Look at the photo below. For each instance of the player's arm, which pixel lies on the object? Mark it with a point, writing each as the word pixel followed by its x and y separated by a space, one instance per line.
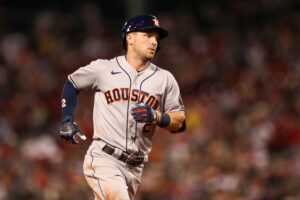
pixel 84 77
pixel 177 122
pixel 69 129
pixel 172 118
pixel 69 98
pixel 172 121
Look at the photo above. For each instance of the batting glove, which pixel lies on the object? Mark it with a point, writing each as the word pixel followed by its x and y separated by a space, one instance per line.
pixel 69 131
pixel 143 113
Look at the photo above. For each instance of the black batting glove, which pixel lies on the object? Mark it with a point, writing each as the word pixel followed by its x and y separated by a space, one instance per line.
pixel 68 132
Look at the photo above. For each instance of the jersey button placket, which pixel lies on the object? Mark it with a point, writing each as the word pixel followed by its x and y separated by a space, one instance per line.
pixel 131 124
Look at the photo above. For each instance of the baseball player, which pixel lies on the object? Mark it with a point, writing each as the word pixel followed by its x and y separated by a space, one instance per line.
pixel 132 97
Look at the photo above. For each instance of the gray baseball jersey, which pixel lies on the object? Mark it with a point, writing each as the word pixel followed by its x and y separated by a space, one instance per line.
pixel 119 86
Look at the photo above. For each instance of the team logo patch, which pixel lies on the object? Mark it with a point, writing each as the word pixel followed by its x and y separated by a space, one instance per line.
pixel 156 23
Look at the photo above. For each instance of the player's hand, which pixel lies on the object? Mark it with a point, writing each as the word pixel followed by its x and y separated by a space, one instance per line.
pixel 143 113
pixel 69 131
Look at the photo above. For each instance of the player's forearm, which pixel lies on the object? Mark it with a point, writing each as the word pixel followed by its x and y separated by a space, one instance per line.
pixel 177 120
pixel 68 101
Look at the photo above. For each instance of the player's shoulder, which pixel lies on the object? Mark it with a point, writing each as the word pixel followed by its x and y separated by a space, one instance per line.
pixel 102 61
pixel 102 64
pixel 163 72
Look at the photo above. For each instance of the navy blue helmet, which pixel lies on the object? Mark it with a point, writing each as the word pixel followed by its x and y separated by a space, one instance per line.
pixel 142 22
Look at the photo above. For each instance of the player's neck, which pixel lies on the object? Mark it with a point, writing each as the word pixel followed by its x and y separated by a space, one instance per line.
pixel 136 62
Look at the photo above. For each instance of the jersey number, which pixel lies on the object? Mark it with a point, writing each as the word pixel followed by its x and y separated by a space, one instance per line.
pixel 146 128
pixel 63 103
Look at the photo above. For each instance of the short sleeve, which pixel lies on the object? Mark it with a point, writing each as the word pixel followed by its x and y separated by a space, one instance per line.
pixel 173 100
pixel 85 77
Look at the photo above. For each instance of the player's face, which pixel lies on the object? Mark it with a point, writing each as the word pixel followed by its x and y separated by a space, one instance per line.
pixel 144 43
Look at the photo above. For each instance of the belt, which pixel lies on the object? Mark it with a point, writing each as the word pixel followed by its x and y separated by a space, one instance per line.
pixel 130 159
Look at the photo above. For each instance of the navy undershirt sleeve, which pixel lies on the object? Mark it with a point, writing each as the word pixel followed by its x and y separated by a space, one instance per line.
pixel 69 100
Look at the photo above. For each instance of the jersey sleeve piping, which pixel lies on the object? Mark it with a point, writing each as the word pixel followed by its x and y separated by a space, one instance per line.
pixel 73 82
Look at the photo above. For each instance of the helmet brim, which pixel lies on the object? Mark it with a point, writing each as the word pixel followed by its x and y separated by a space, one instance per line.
pixel 161 32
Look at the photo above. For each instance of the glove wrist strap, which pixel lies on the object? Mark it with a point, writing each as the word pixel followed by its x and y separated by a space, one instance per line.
pixel 162 119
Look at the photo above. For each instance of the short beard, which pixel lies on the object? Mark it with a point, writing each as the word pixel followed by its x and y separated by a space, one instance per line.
pixel 148 59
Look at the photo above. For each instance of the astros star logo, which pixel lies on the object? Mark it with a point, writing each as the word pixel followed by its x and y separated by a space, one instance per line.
pixel 155 22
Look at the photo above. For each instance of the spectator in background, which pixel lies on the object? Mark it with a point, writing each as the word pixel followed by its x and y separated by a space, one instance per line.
pixel 240 82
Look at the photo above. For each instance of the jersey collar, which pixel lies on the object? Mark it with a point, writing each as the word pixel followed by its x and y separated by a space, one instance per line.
pixel 129 69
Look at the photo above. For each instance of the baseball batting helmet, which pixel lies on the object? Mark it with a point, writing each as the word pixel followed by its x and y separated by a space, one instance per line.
pixel 142 22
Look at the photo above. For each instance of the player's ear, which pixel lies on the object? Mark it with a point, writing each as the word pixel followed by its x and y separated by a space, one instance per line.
pixel 129 39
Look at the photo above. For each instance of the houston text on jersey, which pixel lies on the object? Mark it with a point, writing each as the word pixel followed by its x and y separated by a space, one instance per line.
pixel 118 94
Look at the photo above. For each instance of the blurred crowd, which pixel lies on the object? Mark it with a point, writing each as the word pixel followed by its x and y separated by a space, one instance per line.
pixel 238 67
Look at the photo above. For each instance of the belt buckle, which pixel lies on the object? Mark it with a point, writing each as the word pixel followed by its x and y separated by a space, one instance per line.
pixel 134 160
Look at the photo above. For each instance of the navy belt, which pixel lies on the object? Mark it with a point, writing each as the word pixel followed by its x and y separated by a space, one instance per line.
pixel 130 159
